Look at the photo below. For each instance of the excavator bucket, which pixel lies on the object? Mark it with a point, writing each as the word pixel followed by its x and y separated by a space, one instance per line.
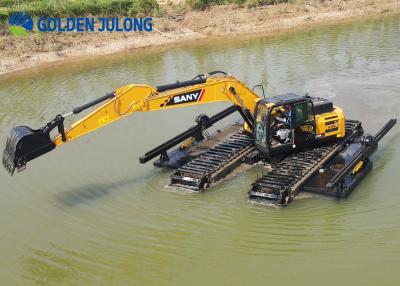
pixel 23 145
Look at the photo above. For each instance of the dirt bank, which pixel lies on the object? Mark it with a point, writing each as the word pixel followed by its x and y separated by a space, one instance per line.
pixel 180 26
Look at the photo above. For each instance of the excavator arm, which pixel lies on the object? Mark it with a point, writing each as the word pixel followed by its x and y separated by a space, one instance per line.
pixel 26 144
pixel 143 98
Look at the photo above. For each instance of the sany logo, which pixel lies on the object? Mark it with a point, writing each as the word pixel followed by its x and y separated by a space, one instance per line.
pixel 187 97
pixel 20 23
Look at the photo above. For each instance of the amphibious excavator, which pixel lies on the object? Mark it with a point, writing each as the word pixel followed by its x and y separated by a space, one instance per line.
pixel 306 141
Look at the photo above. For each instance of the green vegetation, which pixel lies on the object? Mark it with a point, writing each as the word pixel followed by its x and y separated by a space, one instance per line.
pixel 3 17
pixel 74 8
pixel 203 4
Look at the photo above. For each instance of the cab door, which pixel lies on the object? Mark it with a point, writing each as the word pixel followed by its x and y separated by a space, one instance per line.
pixel 303 123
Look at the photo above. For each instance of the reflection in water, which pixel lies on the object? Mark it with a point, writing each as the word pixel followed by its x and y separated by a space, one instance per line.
pixel 90 214
pixel 91 192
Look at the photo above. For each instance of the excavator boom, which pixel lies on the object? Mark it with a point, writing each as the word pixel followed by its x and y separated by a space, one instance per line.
pixel 25 144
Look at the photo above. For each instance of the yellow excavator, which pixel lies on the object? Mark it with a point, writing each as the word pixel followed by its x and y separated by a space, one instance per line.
pixel 307 139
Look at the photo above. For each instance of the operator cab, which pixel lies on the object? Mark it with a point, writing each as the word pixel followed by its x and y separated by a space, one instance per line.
pixel 282 123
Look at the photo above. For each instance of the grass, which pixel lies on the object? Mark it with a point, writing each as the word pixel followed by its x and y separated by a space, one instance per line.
pixel 74 8
pixel 204 4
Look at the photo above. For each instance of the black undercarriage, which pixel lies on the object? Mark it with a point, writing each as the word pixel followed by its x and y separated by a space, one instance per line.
pixel 329 168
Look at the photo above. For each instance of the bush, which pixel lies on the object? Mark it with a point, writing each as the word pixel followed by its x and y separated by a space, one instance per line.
pixel 116 7
pixel 203 4
pixel 6 3
pixel 3 17
pixel 146 7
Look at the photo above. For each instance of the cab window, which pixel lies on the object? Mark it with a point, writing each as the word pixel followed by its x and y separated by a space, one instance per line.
pixel 261 128
pixel 303 113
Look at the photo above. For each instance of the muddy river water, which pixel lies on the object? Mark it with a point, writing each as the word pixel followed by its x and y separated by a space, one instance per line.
pixel 90 214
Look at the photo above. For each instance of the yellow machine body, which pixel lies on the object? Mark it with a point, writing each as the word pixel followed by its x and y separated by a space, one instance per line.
pixel 331 124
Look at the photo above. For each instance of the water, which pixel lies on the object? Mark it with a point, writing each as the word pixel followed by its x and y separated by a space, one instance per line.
pixel 90 214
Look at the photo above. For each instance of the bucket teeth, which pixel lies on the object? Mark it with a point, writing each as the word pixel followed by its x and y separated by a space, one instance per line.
pixel 8 163
pixel 9 155
pixel 8 160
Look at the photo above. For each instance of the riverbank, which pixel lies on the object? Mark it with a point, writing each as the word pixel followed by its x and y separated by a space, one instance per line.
pixel 182 25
